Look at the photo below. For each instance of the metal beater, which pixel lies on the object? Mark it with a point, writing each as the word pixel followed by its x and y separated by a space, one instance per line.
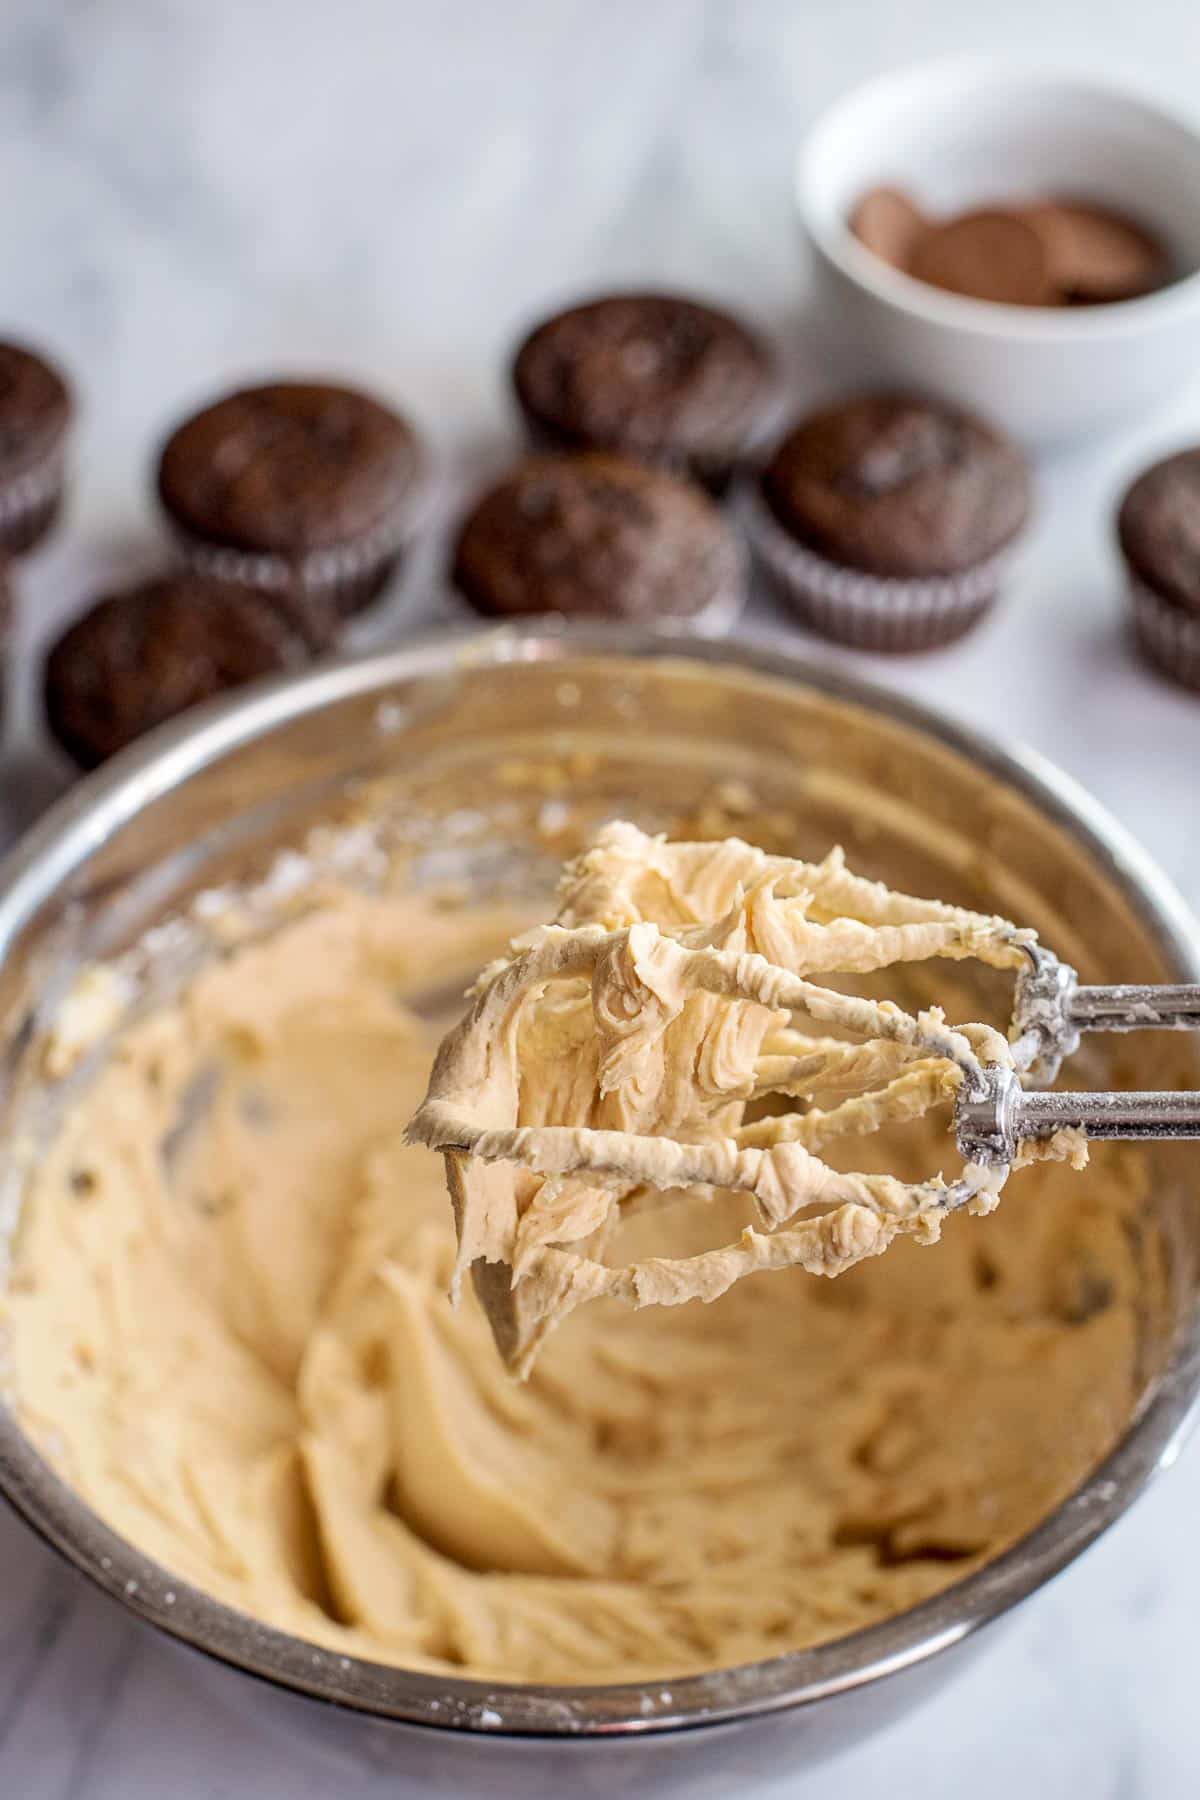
pixel 995 1115
pixel 670 1032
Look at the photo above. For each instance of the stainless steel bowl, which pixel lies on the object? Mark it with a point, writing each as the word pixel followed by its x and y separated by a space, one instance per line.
pixel 654 723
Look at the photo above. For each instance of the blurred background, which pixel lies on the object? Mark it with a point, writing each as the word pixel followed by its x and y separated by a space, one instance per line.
pixel 390 192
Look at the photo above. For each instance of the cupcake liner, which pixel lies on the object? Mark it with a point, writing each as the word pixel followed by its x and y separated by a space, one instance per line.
pixel 1167 635
pixel 719 617
pixel 351 575
pixel 715 471
pixel 30 500
pixel 715 620
pixel 870 612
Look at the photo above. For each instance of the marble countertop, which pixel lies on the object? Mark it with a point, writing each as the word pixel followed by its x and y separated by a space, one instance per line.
pixel 200 193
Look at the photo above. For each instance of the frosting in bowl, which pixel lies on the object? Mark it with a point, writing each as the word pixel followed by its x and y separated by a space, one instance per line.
pixel 229 1331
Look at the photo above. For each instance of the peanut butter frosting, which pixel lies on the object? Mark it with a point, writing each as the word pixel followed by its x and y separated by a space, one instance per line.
pixel 612 1058
pixel 227 1326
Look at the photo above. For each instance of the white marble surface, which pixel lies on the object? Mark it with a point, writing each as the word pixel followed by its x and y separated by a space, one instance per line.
pixel 199 192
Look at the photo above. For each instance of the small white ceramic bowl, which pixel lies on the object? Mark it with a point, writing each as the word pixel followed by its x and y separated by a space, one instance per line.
pixel 964 132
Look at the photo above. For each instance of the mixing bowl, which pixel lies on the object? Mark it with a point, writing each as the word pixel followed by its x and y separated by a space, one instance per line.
pixel 463 732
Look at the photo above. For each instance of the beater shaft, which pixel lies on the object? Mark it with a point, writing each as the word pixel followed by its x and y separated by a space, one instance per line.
pixel 1053 1010
pixel 995 1119
pixel 1135 1008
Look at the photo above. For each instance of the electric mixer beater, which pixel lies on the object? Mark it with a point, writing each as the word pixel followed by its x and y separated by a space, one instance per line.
pixel 665 1038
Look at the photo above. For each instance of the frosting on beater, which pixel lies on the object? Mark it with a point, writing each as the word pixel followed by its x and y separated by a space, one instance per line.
pixel 640 1047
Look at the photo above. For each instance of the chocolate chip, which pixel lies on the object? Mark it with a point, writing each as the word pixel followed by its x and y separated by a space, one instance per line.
pixel 887 222
pixel 1097 256
pixel 986 256
pixel 1050 252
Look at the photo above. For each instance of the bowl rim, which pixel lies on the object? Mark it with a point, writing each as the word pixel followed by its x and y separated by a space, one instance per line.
pixel 992 319
pixel 112 795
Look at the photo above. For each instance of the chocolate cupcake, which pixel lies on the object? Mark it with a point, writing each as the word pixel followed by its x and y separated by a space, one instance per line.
pixel 295 487
pixel 142 656
pixel 888 521
pixel 1158 529
pixel 35 411
pixel 597 536
pixel 661 379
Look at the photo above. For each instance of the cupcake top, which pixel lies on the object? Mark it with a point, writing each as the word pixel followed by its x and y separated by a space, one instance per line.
pixel 657 377
pixel 898 486
pixel 141 656
pixel 35 408
pixel 289 467
pixel 596 535
pixel 1158 527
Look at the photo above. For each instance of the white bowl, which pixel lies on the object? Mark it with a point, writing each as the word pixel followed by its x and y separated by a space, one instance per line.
pixel 963 132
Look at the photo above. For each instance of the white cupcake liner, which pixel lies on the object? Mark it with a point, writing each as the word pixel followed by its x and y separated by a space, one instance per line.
pixel 342 573
pixel 35 492
pixel 1168 635
pixel 714 620
pixel 336 571
pixel 718 618
pixel 870 612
